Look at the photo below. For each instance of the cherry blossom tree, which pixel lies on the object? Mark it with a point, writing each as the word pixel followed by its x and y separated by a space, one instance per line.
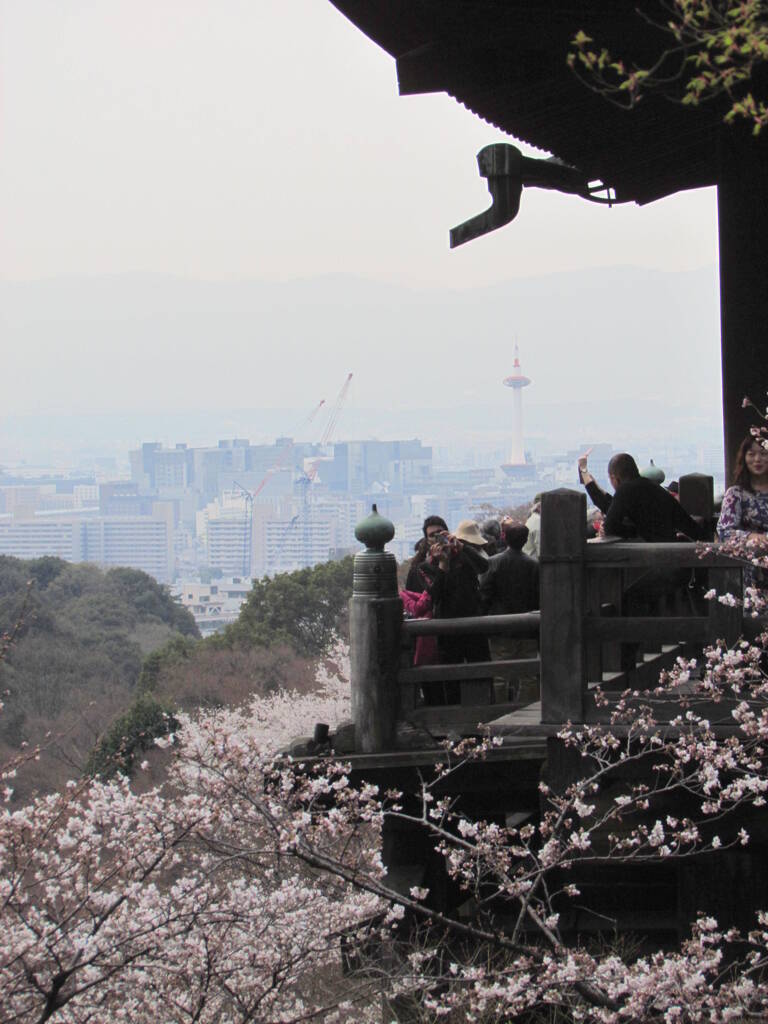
pixel 225 888
pixel 185 902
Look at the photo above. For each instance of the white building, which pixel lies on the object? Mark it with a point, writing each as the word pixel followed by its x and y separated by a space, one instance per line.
pixel 225 526
pixel 308 537
pixel 137 542
pixel 39 536
pixel 213 605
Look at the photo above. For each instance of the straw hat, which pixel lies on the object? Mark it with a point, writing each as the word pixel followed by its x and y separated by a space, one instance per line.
pixel 469 533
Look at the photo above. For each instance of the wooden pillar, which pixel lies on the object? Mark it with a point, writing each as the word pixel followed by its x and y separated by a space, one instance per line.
pixel 563 606
pixel 742 207
pixel 375 627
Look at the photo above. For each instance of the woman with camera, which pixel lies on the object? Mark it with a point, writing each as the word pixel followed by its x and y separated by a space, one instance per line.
pixel 450 571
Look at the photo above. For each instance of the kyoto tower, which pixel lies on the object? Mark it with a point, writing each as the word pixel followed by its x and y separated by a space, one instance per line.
pixel 517 382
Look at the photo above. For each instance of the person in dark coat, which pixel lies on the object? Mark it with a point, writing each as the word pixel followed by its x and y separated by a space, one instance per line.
pixel 511 586
pixel 450 573
pixel 644 510
pixel 432 529
pixel 491 530
pixel 639 507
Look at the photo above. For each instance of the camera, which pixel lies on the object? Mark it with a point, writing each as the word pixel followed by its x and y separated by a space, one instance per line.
pixel 447 543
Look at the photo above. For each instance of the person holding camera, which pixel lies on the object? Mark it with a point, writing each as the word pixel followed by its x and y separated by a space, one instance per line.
pixel 432 529
pixel 450 572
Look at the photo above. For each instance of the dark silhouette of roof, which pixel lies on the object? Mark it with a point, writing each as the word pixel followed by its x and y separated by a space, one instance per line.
pixel 506 60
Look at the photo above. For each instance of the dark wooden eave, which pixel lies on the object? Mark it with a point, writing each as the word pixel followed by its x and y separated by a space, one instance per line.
pixel 505 60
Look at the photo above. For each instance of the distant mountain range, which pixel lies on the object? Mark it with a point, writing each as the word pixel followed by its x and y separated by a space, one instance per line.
pixel 100 364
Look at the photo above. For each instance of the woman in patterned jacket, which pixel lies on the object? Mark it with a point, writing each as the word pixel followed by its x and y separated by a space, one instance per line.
pixel 744 514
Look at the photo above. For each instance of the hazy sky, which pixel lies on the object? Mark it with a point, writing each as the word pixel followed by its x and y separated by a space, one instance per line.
pixel 265 138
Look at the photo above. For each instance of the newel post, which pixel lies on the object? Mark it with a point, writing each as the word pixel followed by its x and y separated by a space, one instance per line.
pixel 563 606
pixel 697 498
pixel 375 625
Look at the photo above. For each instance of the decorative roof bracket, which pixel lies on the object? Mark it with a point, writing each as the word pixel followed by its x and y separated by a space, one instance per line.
pixel 507 170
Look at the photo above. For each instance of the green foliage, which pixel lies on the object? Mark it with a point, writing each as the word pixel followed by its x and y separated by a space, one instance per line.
pixel 151 601
pixel 716 49
pixel 285 624
pixel 83 636
pixel 155 664
pixel 97 642
pixel 129 735
pixel 304 610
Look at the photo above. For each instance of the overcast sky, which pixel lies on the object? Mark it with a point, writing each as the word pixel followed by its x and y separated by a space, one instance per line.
pixel 231 138
pixel 264 139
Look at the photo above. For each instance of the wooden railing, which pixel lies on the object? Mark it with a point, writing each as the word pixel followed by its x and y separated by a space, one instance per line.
pixel 586 638
pixel 478 701
pixel 585 635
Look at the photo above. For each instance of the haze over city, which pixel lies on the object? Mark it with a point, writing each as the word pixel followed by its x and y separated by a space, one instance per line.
pixel 211 214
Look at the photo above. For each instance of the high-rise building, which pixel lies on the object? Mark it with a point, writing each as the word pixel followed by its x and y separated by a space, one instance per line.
pixel 225 527
pixel 137 542
pixel 39 536
pixel 308 537
pixel 359 466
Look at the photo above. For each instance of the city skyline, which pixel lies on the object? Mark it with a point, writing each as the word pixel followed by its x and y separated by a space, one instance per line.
pixel 192 515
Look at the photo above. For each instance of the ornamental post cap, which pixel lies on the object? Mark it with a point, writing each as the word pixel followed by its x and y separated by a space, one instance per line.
pixel 375 530
pixel 654 473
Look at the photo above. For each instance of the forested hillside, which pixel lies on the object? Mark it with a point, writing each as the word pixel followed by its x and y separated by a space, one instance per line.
pixel 103 660
pixel 288 624
pixel 81 640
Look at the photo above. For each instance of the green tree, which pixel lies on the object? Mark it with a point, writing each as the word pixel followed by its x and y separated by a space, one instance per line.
pixel 77 655
pixel 305 610
pixel 133 732
pixel 715 48
pixel 155 664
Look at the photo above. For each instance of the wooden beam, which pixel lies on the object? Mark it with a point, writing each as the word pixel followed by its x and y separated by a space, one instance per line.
pixel 470 670
pixel 646 674
pixel 639 629
pixel 454 718
pixel 632 554
pixel 525 624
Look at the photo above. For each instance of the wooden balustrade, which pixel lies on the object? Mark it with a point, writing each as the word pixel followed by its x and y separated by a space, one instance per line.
pixel 587 629
pixel 477 704
pixel 584 635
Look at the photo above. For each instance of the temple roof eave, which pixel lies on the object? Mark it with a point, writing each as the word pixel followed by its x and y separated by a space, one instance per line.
pixel 505 60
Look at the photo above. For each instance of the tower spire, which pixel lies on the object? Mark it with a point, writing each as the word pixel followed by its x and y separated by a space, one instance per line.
pixel 517 381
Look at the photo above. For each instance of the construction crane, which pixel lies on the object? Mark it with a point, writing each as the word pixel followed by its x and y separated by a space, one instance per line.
pixel 251 495
pixel 330 426
pixel 286 451
pixel 248 537
pixel 310 473
pixel 333 419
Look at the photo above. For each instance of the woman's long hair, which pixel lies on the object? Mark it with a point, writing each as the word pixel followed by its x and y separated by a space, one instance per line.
pixel 741 477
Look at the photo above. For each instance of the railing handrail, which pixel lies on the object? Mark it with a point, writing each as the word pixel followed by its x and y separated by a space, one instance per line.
pixel 523 624
pixel 643 555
